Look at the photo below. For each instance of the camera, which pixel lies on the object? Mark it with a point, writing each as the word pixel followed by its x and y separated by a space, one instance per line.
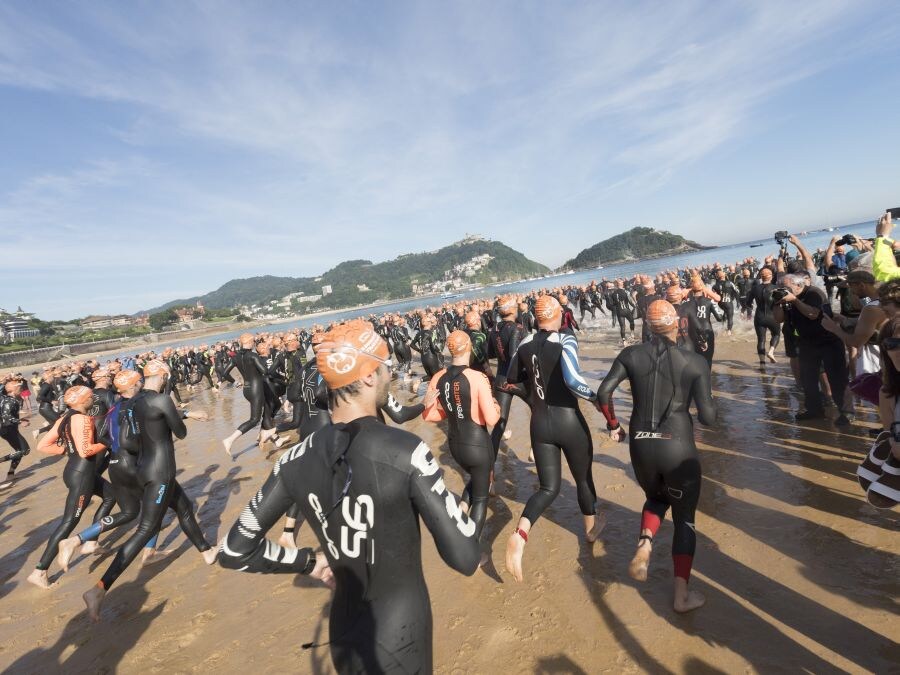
pixel 780 294
pixel 846 239
pixel 783 235
pixel 834 279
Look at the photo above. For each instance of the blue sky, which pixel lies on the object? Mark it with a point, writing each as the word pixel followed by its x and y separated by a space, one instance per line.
pixel 156 150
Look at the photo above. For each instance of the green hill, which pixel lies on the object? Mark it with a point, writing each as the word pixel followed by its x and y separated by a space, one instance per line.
pixel 387 280
pixel 637 244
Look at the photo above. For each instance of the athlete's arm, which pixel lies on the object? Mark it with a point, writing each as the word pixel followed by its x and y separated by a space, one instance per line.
pixel 246 548
pixel 48 442
pixel 701 393
pixel 401 414
pixel 173 417
pixel 571 372
pixel 452 530
pixel 435 412
pixel 616 375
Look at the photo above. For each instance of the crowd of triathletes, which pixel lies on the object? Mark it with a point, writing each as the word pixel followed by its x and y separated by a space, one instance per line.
pixel 532 338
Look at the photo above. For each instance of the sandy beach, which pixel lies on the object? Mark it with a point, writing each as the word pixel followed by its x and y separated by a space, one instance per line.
pixel 800 573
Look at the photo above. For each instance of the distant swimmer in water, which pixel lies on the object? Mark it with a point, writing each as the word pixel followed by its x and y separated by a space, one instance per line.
pixel 665 380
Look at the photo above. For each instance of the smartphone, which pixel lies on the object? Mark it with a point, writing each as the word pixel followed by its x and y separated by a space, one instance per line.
pixel 895 213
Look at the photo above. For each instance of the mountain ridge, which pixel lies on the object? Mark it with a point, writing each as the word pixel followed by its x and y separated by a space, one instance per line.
pixel 638 243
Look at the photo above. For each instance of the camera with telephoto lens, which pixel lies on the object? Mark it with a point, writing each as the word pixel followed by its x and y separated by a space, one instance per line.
pixel 780 294
pixel 781 237
pixel 846 239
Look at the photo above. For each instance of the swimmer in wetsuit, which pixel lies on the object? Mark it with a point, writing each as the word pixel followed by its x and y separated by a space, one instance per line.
pixel 364 488
pixel 430 344
pixel 547 363
pixel 257 391
pixel 503 341
pixel 729 295
pixel 480 345
pixel 10 404
pixel 700 306
pixel 465 400
pixel 665 380
pixel 158 419
pixel 622 308
pixel 763 318
pixel 72 434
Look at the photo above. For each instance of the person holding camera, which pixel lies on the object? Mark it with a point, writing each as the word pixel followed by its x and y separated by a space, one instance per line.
pixel 805 306
pixel 884 264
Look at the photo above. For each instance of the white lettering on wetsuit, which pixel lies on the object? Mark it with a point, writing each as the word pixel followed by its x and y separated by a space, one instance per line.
pixel 644 435
pixel 317 508
pixel 427 465
pixel 360 520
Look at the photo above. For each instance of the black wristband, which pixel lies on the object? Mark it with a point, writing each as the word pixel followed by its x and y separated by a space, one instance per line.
pixel 311 563
pixel 610 427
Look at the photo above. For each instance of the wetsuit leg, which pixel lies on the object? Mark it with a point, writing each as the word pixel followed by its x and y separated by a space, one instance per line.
pixel 154 503
pixel 103 489
pixel 505 401
pixel 477 461
pixel 549 468
pixel 578 449
pixel 630 318
pixel 184 509
pixel 760 329
pixel 621 317
pixel 81 487
pixel 13 436
pixel 254 394
pixel 270 407
pixel 683 491
pixel 728 308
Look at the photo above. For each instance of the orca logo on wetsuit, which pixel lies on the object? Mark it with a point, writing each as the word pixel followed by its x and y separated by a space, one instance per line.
pixel 317 508
pixel 538 387
pixel 424 461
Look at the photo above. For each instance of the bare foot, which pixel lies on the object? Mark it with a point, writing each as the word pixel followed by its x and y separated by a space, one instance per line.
pixel 515 549
pixel 507 434
pixel 281 442
pixel 286 540
pixel 228 442
pixel 94 599
pixel 691 600
pixel 531 456
pixel 151 555
pixel 640 564
pixel 89 547
pixel 771 356
pixel 209 555
pixel 599 522
pixel 66 551
pixel 39 579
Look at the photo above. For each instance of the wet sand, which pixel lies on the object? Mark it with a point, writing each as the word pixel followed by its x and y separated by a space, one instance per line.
pixel 800 573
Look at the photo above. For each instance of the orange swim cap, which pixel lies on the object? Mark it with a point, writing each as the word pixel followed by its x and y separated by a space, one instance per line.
pixel 563 299
pixel 78 395
pixel 246 340
pixel 11 386
pixel 697 284
pixel 263 348
pixel 100 374
pixel 473 320
pixel 507 306
pixel 765 273
pixel 317 338
pixel 674 294
pixel 349 353
pixel 459 343
pixel 126 379
pixel 547 310
pixel 156 367
pixel 661 316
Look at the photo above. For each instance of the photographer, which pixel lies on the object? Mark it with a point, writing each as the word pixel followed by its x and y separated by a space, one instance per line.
pixel 804 306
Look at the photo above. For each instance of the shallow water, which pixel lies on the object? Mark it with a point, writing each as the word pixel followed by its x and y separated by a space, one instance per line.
pixel 800 573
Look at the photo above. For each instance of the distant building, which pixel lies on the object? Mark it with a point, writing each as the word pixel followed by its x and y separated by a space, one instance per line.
pixel 17 328
pixel 186 314
pixel 326 290
pixel 362 287
pixel 99 322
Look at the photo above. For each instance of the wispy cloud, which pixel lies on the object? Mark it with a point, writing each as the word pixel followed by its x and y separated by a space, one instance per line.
pixel 291 139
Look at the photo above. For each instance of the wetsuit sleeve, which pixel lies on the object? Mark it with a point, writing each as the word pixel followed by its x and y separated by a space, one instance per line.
pixel 401 414
pixel 173 417
pixel 246 548
pixel 701 393
pixel 48 442
pixel 515 378
pixel 613 379
pixel 452 530
pixel 416 343
pixel 435 412
pixel 83 435
pixel 571 371
pixel 884 266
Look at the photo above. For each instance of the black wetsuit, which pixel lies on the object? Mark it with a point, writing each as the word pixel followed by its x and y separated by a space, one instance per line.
pixel 157 418
pixel 665 380
pixel 623 309
pixel 400 338
pixel 363 487
pixel 470 443
pixel 256 390
pixel 294 367
pixel 730 295
pixel 101 401
pixel 430 344
pixel 700 311
pixel 503 341
pixel 548 363
pixel 643 302
pixel 9 430
pixel 763 319
pixel 81 480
